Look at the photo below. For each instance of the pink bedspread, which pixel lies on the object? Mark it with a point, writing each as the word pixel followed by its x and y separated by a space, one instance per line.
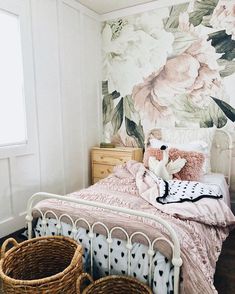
pixel 201 226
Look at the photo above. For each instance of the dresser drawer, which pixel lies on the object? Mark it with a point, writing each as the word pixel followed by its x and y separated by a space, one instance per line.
pixel 102 170
pixel 110 157
pixel 104 159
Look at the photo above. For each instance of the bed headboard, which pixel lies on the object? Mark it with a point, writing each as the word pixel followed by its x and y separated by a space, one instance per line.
pixel 221 154
pixel 221 151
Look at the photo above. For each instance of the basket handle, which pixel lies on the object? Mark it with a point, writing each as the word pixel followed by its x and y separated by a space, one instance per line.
pixel 80 280
pixel 5 244
pixel 76 256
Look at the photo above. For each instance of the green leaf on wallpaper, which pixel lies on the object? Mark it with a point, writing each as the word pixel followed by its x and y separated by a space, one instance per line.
pixel 173 20
pixel 182 41
pixel 107 105
pixel 105 89
pixel 227 109
pixel 183 103
pixel 201 10
pixel 206 20
pixel 224 44
pixel 186 112
pixel 129 109
pixel 228 67
pixel 212 116
pixel 117 26
pixel 115 94
pixel 117 116
pixel 135 131
pixel 130 103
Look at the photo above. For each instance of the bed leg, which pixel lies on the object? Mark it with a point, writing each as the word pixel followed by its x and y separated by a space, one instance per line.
pixel 29 219
pixel 176 279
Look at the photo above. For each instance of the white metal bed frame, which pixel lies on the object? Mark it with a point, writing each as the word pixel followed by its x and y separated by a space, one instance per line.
pixel 173 243
pixel 222 146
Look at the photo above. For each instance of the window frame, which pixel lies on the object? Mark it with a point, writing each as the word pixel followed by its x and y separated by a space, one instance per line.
pixel 21 9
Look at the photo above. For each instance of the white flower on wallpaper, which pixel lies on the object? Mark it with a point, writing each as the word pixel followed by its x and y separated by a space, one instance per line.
pixel 160 68
pixel 135 53
pixel 223 17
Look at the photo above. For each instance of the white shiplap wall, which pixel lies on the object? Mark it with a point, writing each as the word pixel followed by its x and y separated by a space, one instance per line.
pixel 63 49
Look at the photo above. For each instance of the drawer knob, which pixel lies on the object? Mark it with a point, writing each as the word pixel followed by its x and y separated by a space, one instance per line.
pixel 101 157
pixel 102 172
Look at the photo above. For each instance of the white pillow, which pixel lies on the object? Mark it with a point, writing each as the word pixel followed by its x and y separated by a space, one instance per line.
pixel 198 146
pixel 200 139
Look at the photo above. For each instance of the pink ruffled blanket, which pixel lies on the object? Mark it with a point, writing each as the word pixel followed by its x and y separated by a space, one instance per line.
pixel 201 226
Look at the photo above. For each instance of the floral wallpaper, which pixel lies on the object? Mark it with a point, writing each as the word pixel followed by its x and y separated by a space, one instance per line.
pixel 162 68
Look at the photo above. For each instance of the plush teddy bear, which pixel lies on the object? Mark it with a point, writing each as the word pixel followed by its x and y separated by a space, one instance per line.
pixel 165 168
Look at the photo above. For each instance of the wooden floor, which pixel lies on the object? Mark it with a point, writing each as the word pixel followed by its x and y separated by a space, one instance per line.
pixel 18 236
pixel 225 270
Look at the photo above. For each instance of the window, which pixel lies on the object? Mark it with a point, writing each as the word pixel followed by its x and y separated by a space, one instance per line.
pixel 12 101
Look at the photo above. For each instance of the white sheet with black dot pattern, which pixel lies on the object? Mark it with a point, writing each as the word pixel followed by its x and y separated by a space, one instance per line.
pixel 162 269
pixel 176 191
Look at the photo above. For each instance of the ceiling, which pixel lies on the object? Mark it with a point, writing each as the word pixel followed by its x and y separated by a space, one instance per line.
pixel 105 6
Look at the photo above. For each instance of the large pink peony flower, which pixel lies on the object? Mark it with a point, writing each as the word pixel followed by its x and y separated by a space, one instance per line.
pixel 194 72
pixel 152 110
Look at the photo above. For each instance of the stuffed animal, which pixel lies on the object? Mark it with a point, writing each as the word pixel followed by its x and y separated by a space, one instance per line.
pixel 165 168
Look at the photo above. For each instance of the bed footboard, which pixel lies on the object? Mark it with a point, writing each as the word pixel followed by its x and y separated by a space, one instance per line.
pixel 173 243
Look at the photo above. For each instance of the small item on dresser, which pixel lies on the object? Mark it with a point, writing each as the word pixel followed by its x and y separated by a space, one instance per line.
pixel 106 145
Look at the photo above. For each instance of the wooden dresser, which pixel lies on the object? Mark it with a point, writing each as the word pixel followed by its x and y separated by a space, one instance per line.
pixel 103 160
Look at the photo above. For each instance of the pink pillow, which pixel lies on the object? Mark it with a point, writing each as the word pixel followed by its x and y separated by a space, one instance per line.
pixel 192 170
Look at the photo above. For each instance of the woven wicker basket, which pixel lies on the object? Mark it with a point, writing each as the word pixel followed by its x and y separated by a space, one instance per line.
pixel 113 284
pixel 41 265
